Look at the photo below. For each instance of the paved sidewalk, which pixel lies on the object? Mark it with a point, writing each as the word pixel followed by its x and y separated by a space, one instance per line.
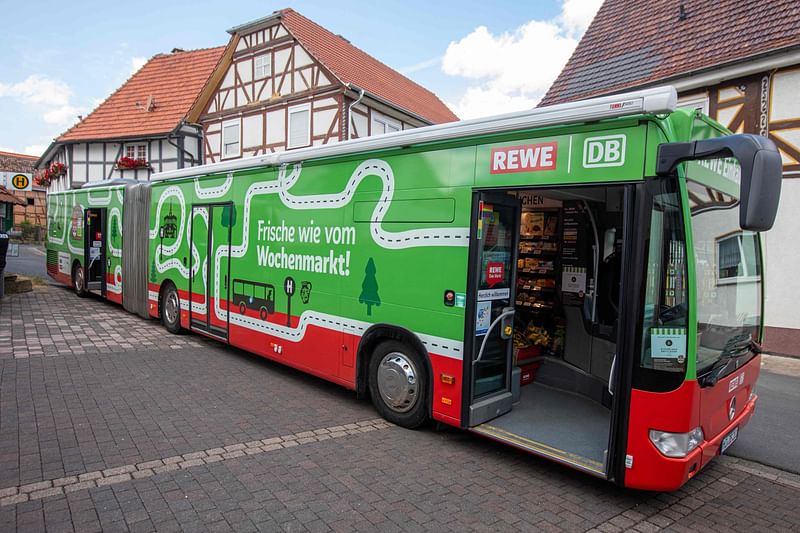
pixel 184 434
pixel 52 321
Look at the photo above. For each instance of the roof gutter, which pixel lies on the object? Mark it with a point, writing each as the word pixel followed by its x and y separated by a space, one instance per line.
pixel 717 74
pixel 384 101
pixel 349 114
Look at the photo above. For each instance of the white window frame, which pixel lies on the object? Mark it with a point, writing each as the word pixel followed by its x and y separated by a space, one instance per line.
pixel 226 123
pixel 385 123
pixel 739 236
pixel 697 101
pixel 132 151
pixel 266 67
pixel 292 110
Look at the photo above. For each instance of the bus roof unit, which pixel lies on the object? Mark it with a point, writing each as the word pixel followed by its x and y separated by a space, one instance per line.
pixel 649 101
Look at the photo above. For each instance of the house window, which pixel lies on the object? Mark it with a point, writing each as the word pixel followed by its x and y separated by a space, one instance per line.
pixel 30 201
pixel 382 124
pixel 263 67
pixel 231 138
pixel 136 151
pixel 694 102
pixel 738 258
pixel 299 126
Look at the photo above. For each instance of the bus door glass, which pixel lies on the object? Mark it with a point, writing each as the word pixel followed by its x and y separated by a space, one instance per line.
pixel 496 242
pixel 209 280
pixel 95 249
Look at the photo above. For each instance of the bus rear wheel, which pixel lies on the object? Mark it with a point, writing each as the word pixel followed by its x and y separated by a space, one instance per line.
pixel 79 280
pixel 242 308
pixel 263 313
pixel 398 384
pixel 171 309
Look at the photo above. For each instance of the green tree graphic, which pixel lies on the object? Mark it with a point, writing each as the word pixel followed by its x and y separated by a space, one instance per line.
pixel 114 231
pixel 369 287
pixel 229 216
pixel 153 274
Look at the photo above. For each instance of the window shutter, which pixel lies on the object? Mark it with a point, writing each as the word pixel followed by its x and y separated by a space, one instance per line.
pixel 299 123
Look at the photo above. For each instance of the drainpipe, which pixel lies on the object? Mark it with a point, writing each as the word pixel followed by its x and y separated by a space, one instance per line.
pixel 350 109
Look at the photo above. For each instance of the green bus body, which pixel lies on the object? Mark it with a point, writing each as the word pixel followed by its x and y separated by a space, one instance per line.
pixel 316 261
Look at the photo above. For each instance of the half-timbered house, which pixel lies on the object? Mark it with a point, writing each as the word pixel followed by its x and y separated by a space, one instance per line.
pixel 286 82
pixel 143 127
pixel 737 61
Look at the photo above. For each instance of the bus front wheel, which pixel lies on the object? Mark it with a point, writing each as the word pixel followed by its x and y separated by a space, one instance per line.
pixel 398 383
pixel 263 313
pixel 79 280
pixel 171 309
pixel 242 308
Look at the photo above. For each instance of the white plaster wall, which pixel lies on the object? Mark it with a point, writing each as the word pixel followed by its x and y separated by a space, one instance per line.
pixel 782 258
pixel 79 152
pixel 276 129
pixel 252 131
pixel 96 172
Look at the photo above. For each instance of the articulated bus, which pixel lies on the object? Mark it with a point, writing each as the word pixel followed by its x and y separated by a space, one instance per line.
pixel 582 282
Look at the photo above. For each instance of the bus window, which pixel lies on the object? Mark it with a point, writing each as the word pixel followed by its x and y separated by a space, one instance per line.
pixel 662 362
pixel 728 266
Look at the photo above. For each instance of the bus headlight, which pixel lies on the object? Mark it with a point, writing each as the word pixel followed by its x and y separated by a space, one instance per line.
pixel 676 444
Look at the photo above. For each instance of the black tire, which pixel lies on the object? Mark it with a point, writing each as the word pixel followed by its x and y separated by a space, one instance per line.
pixel 242 308
pixel 263 313
pixel 79 280
pixel 171 309
pixel 391 395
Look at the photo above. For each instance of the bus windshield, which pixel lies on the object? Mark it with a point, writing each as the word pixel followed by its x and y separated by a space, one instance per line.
pixel 728 270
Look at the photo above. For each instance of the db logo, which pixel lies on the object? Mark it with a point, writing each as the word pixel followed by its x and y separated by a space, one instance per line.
pixel 605 151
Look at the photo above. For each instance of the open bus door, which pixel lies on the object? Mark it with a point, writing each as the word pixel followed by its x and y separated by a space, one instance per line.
pixel 209 268
pixel 493 254
pixel 94 249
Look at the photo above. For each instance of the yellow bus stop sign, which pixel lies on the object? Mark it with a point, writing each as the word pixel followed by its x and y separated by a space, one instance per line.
pixel 20 182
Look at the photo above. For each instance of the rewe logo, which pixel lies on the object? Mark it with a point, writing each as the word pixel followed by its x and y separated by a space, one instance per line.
pixel 525 158
pixel 605 151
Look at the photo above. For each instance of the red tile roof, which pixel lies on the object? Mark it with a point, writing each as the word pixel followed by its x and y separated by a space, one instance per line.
pixel 352 65
pixel 636 42
pixel 7 198
pixel 174 82
pixel 13 162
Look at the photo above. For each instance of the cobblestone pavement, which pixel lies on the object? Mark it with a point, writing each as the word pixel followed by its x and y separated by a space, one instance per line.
pixel 147 431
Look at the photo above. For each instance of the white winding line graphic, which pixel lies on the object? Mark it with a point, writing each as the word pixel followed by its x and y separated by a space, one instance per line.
pixel 115 252
pixel 213 192
pixel 116 286
pixel 385 239
pixel 371 167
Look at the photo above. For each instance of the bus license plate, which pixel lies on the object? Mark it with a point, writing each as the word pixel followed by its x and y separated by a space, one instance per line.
pixel 729 439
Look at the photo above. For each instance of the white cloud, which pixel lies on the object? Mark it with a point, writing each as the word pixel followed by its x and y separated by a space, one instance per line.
pixel 50 97
pixel 576 15
pixel 512 70
pixel 62 115
pixel 137 63
pixel 35 149
pixel 37 89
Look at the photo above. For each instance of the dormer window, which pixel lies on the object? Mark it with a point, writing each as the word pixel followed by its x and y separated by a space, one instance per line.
pixel 263 67
pixel 136 151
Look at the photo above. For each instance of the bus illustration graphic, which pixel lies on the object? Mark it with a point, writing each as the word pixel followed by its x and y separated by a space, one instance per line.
pixel 254 295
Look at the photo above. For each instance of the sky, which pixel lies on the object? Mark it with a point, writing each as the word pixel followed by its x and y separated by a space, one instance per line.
pixel 59 60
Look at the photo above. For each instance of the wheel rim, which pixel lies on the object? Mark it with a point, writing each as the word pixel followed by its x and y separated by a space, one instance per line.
pixel 79 279
pixel 171 307
pixel 397 382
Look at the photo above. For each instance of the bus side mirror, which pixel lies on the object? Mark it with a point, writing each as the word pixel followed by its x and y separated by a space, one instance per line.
pixel 759 178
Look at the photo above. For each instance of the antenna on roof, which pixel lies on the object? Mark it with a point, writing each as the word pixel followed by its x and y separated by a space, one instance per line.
pixel 176 50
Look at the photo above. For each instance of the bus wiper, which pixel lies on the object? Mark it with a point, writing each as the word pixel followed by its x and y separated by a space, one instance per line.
pixel 734 348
